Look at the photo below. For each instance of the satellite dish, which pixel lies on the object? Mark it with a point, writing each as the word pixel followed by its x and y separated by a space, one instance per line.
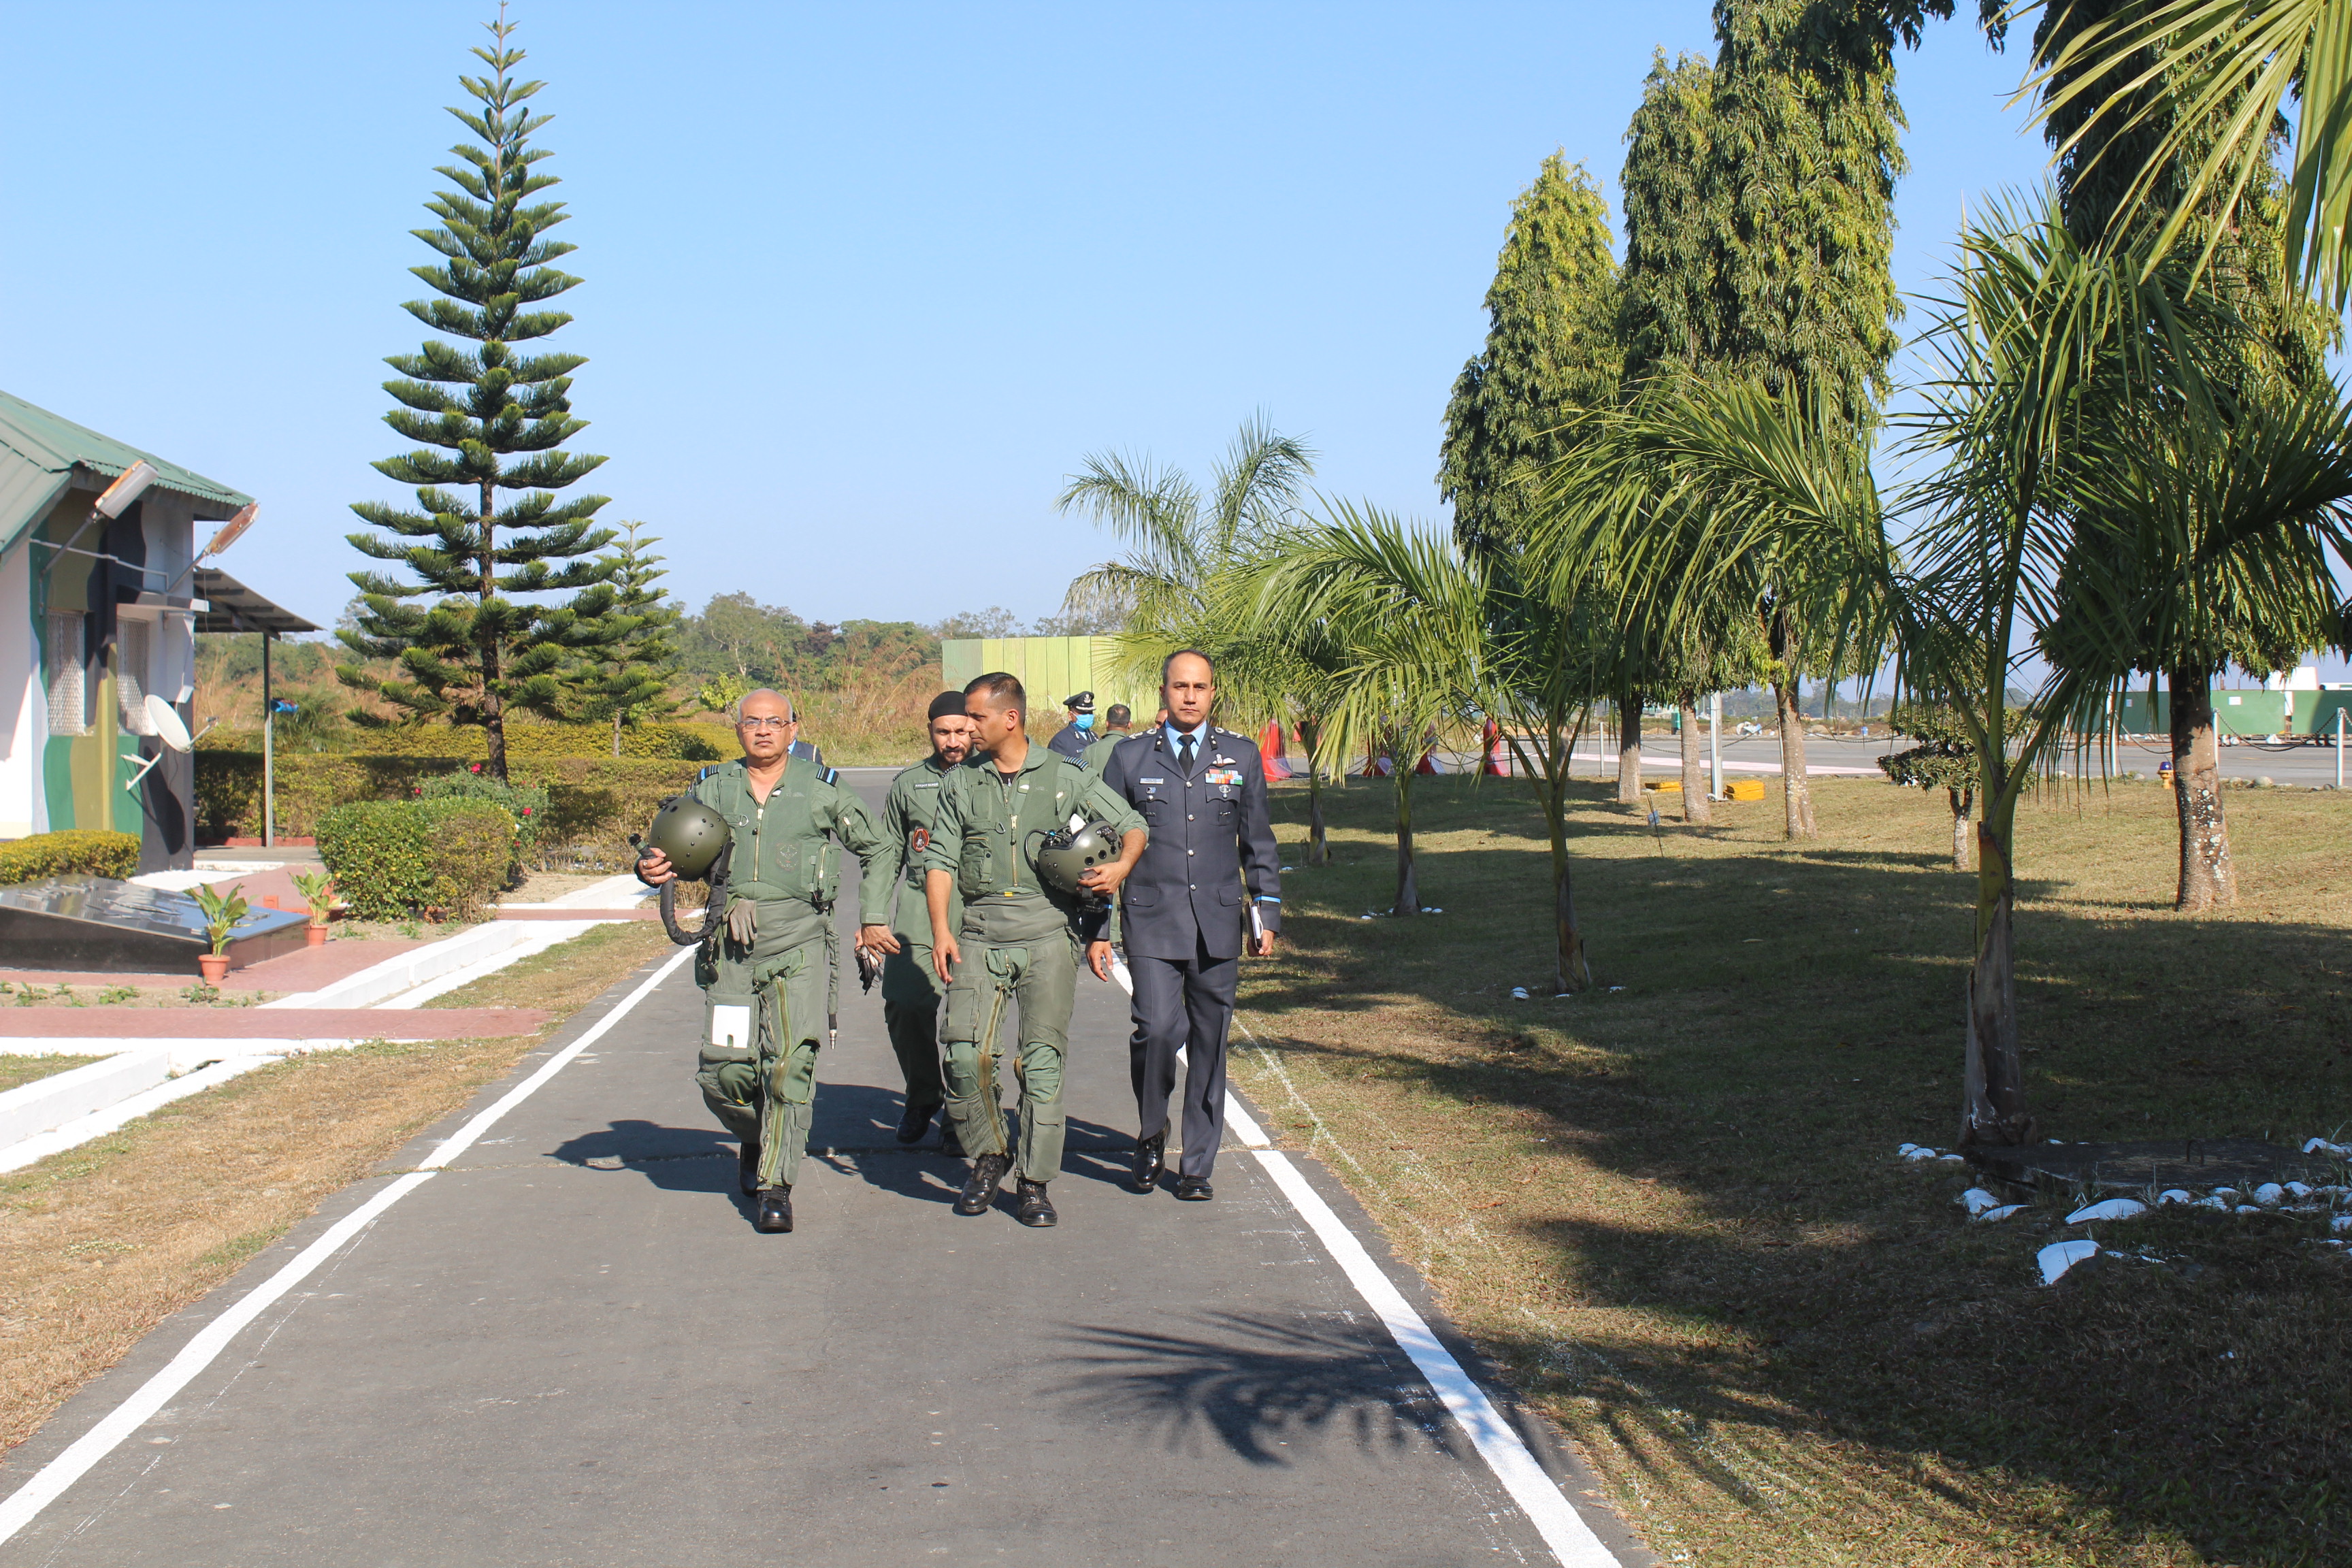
pixel 165 722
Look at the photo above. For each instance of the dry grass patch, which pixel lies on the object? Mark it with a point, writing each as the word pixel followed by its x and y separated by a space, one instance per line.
pixel 1670 1214
pixel 17 1071
pixel 100 1242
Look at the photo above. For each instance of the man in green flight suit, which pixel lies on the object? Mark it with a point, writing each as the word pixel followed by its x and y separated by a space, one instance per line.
pixel 1018 941
pixel 1118 719
pixel 766 981
pixel 910 985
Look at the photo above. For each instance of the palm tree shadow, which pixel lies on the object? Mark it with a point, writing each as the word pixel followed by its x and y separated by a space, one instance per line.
pixel 1252 1381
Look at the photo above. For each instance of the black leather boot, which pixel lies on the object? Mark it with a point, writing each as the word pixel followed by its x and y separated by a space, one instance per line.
pixel 775 1216
pixel 914 1122
pixel 1194 1189
pixel 1037 1209
pixel 1150 1161
pixel 980 1187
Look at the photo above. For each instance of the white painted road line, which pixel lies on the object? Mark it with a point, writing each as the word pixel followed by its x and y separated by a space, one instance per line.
pixel 1571 1541
pixel 1555 1518
pixel 50 1481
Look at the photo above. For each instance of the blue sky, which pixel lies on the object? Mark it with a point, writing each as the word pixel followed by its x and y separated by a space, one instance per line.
pixel 862 283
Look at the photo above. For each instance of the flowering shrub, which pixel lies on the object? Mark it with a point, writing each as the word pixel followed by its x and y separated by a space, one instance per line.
pixel 525 805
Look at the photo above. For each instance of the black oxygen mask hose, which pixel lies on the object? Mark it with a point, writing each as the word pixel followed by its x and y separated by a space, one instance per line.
pixel 714 911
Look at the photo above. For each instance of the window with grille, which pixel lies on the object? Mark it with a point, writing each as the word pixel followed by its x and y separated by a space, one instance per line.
pixel 68 712
pixel 130 647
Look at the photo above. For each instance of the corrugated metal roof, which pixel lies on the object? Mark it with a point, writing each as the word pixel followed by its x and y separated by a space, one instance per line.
pixel 238 608
pixel 39 450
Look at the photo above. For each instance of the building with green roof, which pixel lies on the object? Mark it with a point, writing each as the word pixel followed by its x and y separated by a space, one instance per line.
pixel 96 615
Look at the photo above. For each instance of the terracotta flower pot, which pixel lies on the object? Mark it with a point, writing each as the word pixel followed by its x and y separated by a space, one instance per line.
pixel 215 966
pixel 317 935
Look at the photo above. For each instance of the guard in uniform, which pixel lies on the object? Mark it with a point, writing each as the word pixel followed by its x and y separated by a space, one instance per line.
pixel 1209 880
pixel 1071 739
pixel 911 988
pixel 768 979
pixel 1018 941
pixel 1117 719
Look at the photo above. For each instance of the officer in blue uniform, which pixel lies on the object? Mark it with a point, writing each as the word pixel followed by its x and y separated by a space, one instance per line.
pixel 1208 884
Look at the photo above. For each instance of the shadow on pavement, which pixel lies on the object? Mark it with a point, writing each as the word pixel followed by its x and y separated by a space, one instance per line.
pixel 1255 1382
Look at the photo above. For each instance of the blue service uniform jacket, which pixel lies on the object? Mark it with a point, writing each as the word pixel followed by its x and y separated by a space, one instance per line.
pixel 1210 852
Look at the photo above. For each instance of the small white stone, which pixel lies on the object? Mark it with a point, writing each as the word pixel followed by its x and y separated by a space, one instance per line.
pixel 2107 1208
pixel 1992 1217
pixel 1951 1159
pixel 2216 1201
pixel 2270 1195
pixel 2297 1190
pixel 2341 1222
pixel 2172 1196
pixel 1976 1200
pixel 1518 992
pixel 2229 1196
pixel 1903 1150
pixel 2060 1256
pixel 2251 1208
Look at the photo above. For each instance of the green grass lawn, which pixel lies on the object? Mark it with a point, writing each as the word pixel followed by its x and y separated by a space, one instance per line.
pixel 1672 1214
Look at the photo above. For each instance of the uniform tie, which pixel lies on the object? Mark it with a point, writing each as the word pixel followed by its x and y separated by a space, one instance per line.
pixel 1184 753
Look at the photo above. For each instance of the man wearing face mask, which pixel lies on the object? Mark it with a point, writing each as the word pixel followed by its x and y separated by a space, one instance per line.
pixel 911 988
pixel 1071 739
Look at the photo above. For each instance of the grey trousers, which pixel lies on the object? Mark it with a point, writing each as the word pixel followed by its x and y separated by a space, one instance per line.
pixel 1182 1004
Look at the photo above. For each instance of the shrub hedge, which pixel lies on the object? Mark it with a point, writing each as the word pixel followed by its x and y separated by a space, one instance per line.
pixel 76 850
pixel 392 859
pixel 697 742
pixel 589 800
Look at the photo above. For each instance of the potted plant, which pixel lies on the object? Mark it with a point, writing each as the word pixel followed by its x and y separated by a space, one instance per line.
pixel 318 891
pixel 222 911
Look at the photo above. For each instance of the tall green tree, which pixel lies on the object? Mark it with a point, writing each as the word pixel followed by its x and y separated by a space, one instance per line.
pixel 2116 189
pixel 487 543
pixel 627 681
pixel 1758 198
pixel 1553 349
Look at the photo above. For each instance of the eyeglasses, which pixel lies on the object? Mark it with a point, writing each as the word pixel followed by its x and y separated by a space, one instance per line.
pixel 765 723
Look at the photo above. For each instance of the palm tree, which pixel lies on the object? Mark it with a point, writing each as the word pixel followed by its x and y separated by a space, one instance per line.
pixel 1710 599
pixel 2206 80
pixel 1178 542
pixel 2213 523
pixel 1401 611
pixel 1168 592
pixel 1546 659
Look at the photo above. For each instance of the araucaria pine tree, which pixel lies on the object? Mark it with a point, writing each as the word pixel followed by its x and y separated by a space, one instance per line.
pixel 627 681
pixel 488 542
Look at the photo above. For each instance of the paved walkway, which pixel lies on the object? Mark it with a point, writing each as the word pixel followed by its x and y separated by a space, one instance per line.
pixel 570 1348
pixel 268 1023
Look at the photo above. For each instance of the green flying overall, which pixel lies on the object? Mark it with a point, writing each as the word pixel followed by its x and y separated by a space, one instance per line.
pixel 1017 940
pixel 768 979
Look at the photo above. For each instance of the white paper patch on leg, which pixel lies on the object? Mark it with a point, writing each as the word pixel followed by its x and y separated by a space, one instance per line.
pixel 730 1028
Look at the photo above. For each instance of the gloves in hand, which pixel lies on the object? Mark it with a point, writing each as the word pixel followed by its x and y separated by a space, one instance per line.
pixel 742 921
